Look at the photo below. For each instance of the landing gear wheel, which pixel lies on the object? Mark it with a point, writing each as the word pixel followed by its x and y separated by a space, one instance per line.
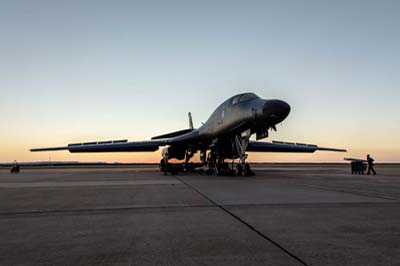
pixel 239 169
pixel 209 171
pixel 248 170
pixel 162 166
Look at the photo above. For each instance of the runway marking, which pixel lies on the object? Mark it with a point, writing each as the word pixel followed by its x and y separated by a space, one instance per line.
pixel 351 191
pixel 177 206
pixel 252 228
pixel 88 183
pixel 98 210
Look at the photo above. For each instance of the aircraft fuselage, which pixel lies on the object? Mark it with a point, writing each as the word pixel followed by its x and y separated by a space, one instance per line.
pixel 237 114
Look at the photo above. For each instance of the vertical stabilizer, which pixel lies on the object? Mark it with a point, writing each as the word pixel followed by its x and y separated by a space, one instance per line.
pixel 190 120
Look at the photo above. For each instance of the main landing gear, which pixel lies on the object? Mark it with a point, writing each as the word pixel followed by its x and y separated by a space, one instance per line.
pixel 214 160
pixel 213 166
pixel 223 168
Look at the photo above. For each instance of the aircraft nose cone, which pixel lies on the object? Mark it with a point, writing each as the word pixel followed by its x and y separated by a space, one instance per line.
pixel 275 111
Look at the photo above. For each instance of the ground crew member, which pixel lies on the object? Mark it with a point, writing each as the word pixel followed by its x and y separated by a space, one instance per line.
pixel 15 168
pixel 370 161
pixel 165 162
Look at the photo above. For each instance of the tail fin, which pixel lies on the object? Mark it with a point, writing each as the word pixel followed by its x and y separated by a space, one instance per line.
pixel 190 120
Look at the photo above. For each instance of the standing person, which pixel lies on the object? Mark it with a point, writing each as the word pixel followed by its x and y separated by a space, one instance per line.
pixel 370 165
pixel 15 168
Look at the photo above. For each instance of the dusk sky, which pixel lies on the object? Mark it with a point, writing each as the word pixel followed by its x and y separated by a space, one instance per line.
pixel 74 71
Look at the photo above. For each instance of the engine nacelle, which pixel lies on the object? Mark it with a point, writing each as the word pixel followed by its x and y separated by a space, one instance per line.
pixel 173 153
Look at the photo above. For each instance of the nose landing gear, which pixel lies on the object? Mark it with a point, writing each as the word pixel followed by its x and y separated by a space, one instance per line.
pixel 240 143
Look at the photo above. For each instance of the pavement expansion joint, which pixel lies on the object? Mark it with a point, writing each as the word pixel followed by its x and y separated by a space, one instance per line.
pixel 252 228
pixel 352 191
pixel 98 210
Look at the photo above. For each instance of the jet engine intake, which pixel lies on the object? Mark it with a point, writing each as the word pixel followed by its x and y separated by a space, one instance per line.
pixel 175 152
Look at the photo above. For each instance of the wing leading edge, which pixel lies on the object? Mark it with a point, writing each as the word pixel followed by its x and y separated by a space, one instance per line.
pixel 178 137
pixel 279 146
pixel 108 146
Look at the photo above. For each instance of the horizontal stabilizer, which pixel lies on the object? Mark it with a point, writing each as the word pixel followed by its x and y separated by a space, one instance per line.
pixel 172 134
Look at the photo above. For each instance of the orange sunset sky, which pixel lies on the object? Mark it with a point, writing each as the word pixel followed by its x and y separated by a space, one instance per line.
pixel 80 72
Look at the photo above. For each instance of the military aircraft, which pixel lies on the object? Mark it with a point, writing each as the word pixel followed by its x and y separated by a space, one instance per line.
pixel 225 135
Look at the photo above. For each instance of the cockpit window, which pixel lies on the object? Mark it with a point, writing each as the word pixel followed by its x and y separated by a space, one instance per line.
pixel 247 97
pixel 243 98
pixel 235 100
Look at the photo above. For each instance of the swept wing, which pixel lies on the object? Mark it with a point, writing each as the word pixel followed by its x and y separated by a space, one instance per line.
pixel 280 146
pixel 109 146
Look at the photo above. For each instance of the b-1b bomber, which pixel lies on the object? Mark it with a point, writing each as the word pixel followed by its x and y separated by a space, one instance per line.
pixel 224 136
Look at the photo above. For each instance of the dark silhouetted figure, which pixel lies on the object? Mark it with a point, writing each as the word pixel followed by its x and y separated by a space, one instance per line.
pixel 15 168
pixel 370 161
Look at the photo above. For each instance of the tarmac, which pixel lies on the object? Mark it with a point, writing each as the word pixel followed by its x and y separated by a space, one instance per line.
pixel 286 215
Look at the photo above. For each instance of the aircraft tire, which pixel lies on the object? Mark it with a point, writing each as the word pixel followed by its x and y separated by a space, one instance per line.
pixel 239 169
